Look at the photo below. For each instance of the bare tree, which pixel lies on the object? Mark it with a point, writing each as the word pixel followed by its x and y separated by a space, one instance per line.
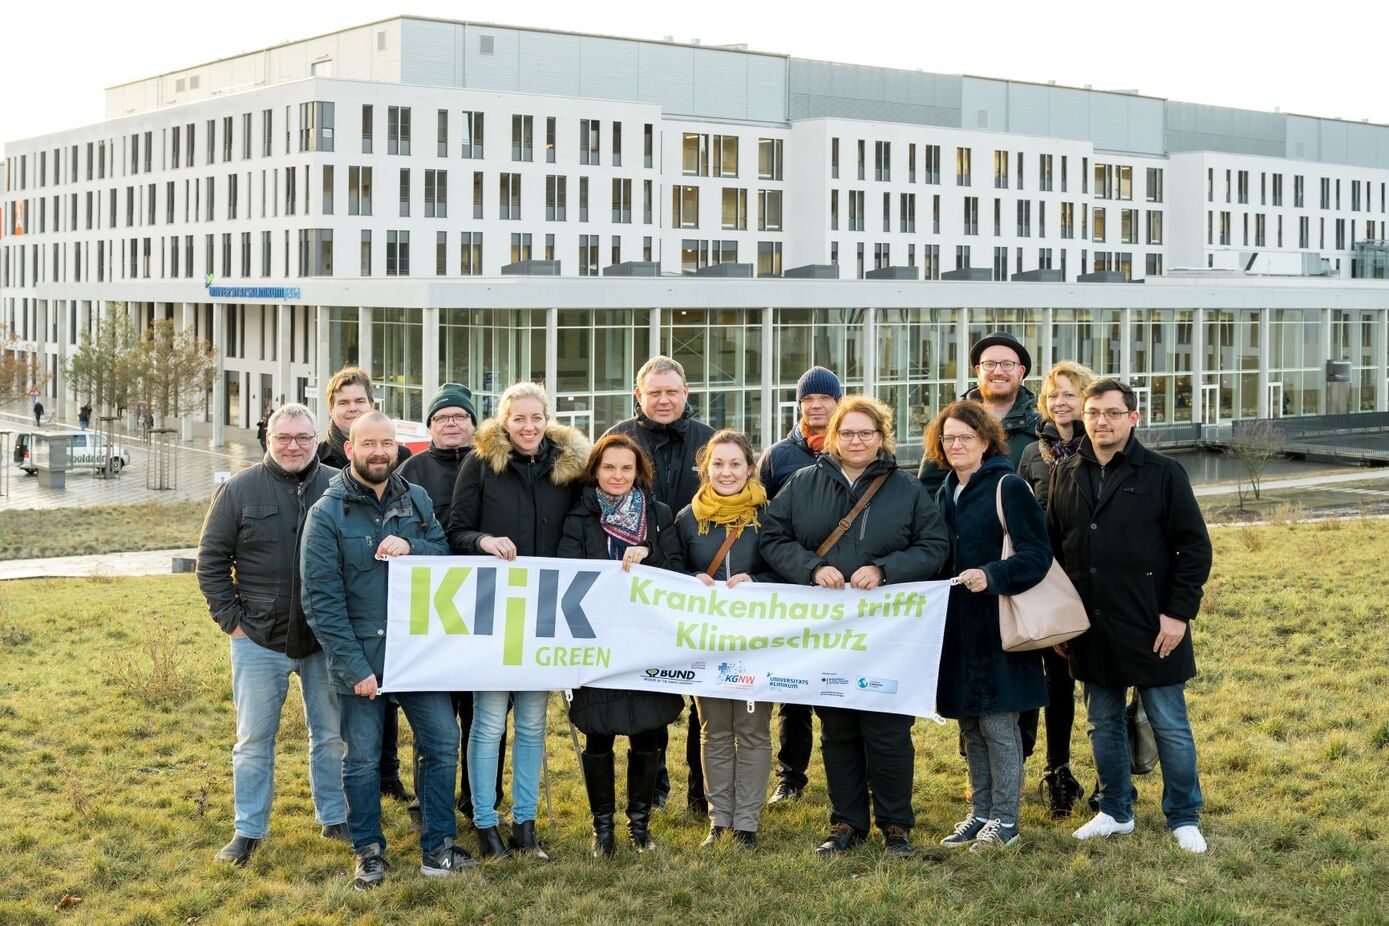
pixel 21 368
pixel 1256 444
pixel 101 366
pixel 170 370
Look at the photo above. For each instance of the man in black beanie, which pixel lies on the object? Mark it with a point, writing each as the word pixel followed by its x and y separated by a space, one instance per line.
pixel 818 392
pixel 451 419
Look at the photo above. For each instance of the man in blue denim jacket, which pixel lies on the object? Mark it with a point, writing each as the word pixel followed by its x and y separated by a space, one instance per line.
pixel 368 515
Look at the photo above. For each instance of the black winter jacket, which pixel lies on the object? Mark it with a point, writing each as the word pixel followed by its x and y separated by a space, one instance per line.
pixel 671 449
pixel 976 676
pixel 1020 425
pixel 615 712
pixel 1138 550
pixel 501 492
pixel 744 556
pixel 436 471
pixel 248 555
pixel 900 531
pixel 783 458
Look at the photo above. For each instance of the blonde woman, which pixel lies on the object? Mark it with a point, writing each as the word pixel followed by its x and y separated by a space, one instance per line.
pixel 510 500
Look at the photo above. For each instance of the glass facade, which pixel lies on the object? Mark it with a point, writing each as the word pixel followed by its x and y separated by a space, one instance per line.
pixel 1189 365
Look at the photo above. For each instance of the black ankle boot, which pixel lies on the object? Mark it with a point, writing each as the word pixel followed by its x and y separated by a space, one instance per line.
pixel 523 841
pixel 598 781
pixel 490 844
pixel 642 768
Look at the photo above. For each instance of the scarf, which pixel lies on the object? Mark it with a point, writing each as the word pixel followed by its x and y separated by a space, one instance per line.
pixel 709 507
pixel 816 442
pixel 1054 449
pixel 623 517
pixel 336 439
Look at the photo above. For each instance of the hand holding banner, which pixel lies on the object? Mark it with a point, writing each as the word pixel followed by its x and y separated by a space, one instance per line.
pixel 473 623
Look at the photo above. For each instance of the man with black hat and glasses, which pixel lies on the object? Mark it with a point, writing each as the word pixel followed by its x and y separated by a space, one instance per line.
pixel 1001 363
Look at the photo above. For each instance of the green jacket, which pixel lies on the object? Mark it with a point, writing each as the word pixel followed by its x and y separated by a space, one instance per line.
pixel 344 584
pixel 1020 424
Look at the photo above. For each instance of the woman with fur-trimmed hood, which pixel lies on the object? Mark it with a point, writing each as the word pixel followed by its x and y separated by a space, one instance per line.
pixel 510 500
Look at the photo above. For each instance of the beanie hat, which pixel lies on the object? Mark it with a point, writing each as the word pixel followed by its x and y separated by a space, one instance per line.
pixel 451 395
pixel 818 381
pixel 1000 339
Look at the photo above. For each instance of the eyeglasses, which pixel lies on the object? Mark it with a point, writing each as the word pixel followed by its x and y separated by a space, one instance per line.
pixel 303 440
pixel 862 437
pixel 1007 366
pixel 964 440
pixel 1113 414
pixel 452 419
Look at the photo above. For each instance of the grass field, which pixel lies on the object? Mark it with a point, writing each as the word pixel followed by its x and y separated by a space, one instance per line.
pixel 116 725
pixel 36 532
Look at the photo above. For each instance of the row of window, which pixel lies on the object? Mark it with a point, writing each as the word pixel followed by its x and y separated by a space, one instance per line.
pixel 932 268
pixel 1220 231
pixel 1237 190
pixel 1129 219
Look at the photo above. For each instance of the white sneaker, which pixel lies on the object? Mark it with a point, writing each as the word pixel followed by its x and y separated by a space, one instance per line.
pixel 1103 825
pixel 1190 839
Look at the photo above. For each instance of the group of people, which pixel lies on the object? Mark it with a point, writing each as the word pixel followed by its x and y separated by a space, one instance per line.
pixel 292 563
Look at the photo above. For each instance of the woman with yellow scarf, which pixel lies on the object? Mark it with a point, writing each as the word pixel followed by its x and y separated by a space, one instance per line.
pixel 718 531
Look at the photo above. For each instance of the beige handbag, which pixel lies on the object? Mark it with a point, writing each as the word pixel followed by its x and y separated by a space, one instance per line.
pixel 1048 613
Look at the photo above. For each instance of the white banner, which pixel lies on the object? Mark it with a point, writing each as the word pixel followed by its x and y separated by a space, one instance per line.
pixel 475 623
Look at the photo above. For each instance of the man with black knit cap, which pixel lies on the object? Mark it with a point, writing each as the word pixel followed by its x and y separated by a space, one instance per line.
pixel 1001 363
pixel 818 392
pixel 451 420
pixel 666 429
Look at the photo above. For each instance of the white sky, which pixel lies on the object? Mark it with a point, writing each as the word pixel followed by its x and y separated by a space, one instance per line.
pixel 1313 59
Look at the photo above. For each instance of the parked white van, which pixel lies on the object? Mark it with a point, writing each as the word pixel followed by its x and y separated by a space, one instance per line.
pixel 86 450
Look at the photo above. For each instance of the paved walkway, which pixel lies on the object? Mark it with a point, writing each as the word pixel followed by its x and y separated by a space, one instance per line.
pixel 1304 482
pixel 196 466
pixel 146 563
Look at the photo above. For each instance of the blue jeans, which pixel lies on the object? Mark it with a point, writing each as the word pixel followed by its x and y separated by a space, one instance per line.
pixel 1109 740
pixel 260 682
pixel 436 740
pixel 527 753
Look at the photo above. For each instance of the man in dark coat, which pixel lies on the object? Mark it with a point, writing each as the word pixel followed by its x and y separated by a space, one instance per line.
pixel 367 515
pixel 1125 525
pixel 349 395
pixel 818 392
pixel 665 427
pixel 248 570
pixel 1001 362
pixel 451 421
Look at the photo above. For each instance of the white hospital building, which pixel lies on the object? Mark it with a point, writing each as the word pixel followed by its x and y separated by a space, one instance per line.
pixel 456 201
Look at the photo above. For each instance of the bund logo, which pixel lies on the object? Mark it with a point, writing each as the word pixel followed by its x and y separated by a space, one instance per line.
pixel 519 596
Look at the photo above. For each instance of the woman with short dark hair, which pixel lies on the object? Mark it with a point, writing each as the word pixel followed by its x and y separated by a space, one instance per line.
pixel 979 684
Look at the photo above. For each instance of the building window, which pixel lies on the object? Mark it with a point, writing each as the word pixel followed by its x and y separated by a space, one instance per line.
pixel 1044 181
pixel 315 127
pixel 907 213
pixel 857 210
pixel 735 208
pixel 470 254
pixel 769 159
pixel 648 145
pixel 477 194
pixel 359 191
pixel 1128 226
pixel 1000 170
pixel 882 160
pixel 962 166
pixel 971 215
pixel 404 192
pixel 769 258
pixel 472 125
pixel 684 206
pixel 1154 185
pixel 617 147
pixel 436 194
pixel 1097 223
pixel 834 159
pixel 589 134
pixel 509 197
pixel 769 210
pixel 397 253
pixel 441 132
pixel 520 247
pixel 588 255
pixel 1154 235
pixel 397 130
pixel 555 197
pixel 622 201
pixel 930 262
pixel 931 163
pixel 522 138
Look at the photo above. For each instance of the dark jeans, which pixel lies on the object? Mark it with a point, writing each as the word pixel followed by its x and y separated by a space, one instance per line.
pixel 598 744
pixel 694 784
pixel 436 736
pixel 868 751
pixel 795 732
pixel 1166 707
pixel 463 707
